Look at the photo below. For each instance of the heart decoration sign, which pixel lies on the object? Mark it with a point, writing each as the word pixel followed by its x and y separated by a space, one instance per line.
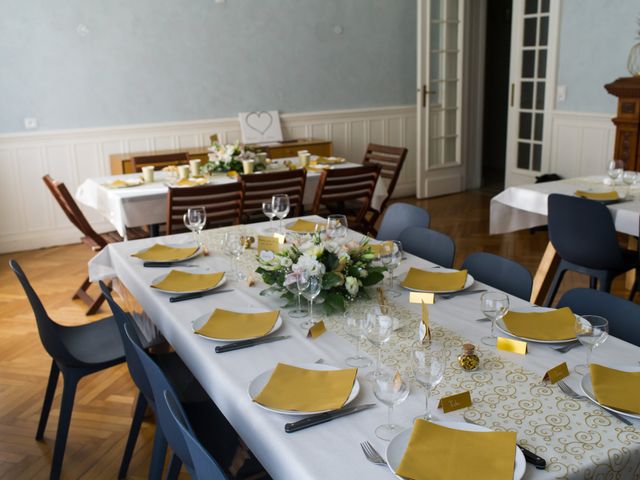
pixel 260 126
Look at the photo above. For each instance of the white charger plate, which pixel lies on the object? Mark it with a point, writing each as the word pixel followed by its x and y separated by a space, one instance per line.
pixel 587 388
pixel 201 320
pixel 174 245
pixel 470 280
pixel 500 325
pixel 258 383
pixel 187 270
pixel 398 445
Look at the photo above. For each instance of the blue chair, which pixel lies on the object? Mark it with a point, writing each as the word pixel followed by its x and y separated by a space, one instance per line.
pixel 623 315
pixel 584 236
pixel 76 352
pixel 400 216
pixel 501 273
pixel 430 245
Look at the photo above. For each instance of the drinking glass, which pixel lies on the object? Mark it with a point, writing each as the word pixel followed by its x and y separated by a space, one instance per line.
pixel 494 306
pixel 354 327
pixel 281 206
pixel 391 256
pixel 615 169
pixel 234 246
pixel 378 329
pixel 195 220
pixel 314 285
pixel 629 178
pixel 297 288
pixel 591 331
pixel 267 209
pixel 337 227
pixel 428 365
pixel 391 389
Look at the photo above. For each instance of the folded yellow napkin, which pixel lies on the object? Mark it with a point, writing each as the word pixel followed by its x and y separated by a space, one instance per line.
pixel 295 388
pixel 316 168
pixel 552 325
pixel 418 279
pixel 327 160
pixel 305 226
pixel 117 184
pixel 179 281
pixel 597 195
pixel 616 389
pixel 225 324
pixel 436 452
pixel 163 253
pixel 187 182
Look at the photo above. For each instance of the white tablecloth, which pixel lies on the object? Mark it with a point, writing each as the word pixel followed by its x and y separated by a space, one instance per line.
pixel 147 204
pixel 525 206
pixel 571 435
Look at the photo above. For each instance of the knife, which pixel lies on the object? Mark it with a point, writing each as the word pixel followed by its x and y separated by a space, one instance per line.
pixel 248 343
pixel 324 417
pixel 189 296
pixel 447 296
pixel 167 264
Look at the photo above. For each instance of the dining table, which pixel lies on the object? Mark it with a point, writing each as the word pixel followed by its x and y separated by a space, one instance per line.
pixel 577 438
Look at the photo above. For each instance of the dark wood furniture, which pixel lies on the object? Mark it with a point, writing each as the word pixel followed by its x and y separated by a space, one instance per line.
pixel 627 120
pixel 260 187
pixel 159 161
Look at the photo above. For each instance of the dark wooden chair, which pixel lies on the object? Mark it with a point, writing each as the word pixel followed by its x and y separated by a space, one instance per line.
pixel 96 241
pixel 391 160
pixel 354 185
pixel 260 187
pixel 223 204
pixel 159 161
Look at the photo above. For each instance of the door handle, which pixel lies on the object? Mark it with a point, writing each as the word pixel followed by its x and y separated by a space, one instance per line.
pixel 426 92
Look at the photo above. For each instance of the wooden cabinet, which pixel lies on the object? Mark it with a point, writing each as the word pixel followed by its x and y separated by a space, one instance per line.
pixel 627 120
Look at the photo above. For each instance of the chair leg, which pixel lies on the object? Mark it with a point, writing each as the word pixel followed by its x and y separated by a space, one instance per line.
pixel 95 306
pixel 634 288
pixel 94 303
pixel 157 455
pixel 175 464
pixel 136 422
pixel 593 282
pixel 48 399
pixel 554 287
pixel 605 283
pixel 66 407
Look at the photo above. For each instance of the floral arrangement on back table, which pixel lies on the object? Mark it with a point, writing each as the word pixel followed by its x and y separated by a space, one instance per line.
pixel 344 268
pixel 226 158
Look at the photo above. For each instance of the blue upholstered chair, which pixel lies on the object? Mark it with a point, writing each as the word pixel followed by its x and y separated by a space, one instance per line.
pixel 430 245
pixel 501 273
pixel 400 216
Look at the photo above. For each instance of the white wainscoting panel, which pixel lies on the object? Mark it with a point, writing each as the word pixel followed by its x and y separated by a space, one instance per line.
pixel 29 217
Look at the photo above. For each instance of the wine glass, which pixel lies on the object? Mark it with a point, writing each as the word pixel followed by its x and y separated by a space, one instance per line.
pixel 281 206
pixel 391 389
pixel 337 227
pixel 494 306
pixel 378 329
pixel 195 220
pixel 267 209
pixel 314 285
pixel 591 331
pixel 354 327
pixel 297 287
pixel 615 169
pixel 428 365
pixel 391 255
pixel 234 247
pixel 629 178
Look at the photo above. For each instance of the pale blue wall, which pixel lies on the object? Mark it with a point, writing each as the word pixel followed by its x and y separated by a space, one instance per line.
pixel 169 60
pixel 595 39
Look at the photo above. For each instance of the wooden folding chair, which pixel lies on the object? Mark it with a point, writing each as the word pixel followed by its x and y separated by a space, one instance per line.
pixel 223 204
pixel 159 161
pixel 96 241
pixel 260 187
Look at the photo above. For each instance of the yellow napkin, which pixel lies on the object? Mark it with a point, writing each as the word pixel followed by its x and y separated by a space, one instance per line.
pixel 226 324
pixel 327 160
pixel 178 281
pixel 305 226
pixel 597 195
pixel 436 452
pixel 376 248
pixel 616 389
pixel 163 253
pixel 294 388
pixel 117 184
pixel 434 281
pixel 186 182
pixel 316 168
pixel 553 325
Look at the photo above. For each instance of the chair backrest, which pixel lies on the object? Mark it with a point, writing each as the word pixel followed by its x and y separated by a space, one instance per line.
pixel 203 466
pixel 72 211
pixel 623 315
pixel 430 245
pixel 260 187
pixel 343 184
pixel 501 273
pixel 48 330
pixel 159 161
pixel 400 216
pixel 223 204
pixel 582 232
pixel 391 160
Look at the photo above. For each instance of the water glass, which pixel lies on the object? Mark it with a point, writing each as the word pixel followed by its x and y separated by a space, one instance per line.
pixel 354 327
pixel 377 329
pixel 391 389
pixel 337 227
pixel 314 285
pixel 615 169
pixel 195 219
pixel 591 331
pixel 391 256
pixel 280 204
pixel 267 209
pixel 297 288
pixel 428 364
pixel 234 246
pixel 494 306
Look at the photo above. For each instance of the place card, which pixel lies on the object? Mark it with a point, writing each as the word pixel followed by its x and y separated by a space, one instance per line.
pixel 455 402
pixel 557 373
pixel 422 297
pixel 511 345
pixel 281 238
pixel 271 244
pixel 316 330
pixel 424 333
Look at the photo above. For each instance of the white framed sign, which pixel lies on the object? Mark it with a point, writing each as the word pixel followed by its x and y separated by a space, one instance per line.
pixel 260 127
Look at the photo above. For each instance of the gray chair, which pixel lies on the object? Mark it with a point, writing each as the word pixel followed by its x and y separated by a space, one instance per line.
pixel 430 245
pixel 501 273
pixel 400 216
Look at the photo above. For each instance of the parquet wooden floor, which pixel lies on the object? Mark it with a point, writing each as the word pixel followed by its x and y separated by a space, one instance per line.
pixel 102 413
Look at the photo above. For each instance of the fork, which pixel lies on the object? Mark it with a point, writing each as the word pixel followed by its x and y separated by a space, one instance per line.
pixel 447 296
pixel 567 390
pixel 372 454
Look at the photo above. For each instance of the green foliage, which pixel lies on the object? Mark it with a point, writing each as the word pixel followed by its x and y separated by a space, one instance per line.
pixel 330 280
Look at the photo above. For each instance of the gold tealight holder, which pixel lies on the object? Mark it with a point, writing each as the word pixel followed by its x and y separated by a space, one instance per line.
pixel 247 241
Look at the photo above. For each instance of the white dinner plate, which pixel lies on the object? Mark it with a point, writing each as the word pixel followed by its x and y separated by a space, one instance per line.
pixel 467 284
pixel 500 325
pixel 258 383
pixel 201 320
pixel 398 445
pixel 174 245
pixel 587 388
pixel 187 270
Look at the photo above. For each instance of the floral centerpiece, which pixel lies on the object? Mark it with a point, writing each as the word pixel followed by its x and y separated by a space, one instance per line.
pixel 344 268
pixel 226 158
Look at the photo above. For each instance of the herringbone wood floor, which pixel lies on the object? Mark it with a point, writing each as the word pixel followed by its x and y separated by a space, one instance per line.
pixel 101 416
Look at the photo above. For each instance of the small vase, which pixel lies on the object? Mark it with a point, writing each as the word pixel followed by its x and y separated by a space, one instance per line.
pixel 633 63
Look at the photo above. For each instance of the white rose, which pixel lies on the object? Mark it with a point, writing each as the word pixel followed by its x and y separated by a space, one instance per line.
pixel 351 284
pixel 286 262
pixel 267 255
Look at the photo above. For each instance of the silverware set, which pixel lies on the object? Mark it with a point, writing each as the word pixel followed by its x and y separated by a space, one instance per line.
pixel 568 391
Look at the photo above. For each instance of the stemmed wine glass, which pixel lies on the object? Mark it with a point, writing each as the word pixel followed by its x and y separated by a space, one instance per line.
pixel 297 287
pixel 629 178
pixel 391 389
pixel 234 247
pixel 354 327
pixel 314 285
pixel 391 255
pixel 494 306
pixel 615 169
pixel 378 329
pixel 428 365
pixel 267 209
pixel 337 227
pixel 591 331
pixel 195 219
pixel 281 206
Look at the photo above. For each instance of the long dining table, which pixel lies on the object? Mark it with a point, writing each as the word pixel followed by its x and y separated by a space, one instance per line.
pixel 577 438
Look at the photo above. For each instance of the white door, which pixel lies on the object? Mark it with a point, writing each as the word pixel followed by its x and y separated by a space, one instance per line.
pixel 440 33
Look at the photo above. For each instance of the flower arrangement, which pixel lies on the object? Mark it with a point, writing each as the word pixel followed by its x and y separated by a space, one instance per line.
pixel 225 158
pixel 345 269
